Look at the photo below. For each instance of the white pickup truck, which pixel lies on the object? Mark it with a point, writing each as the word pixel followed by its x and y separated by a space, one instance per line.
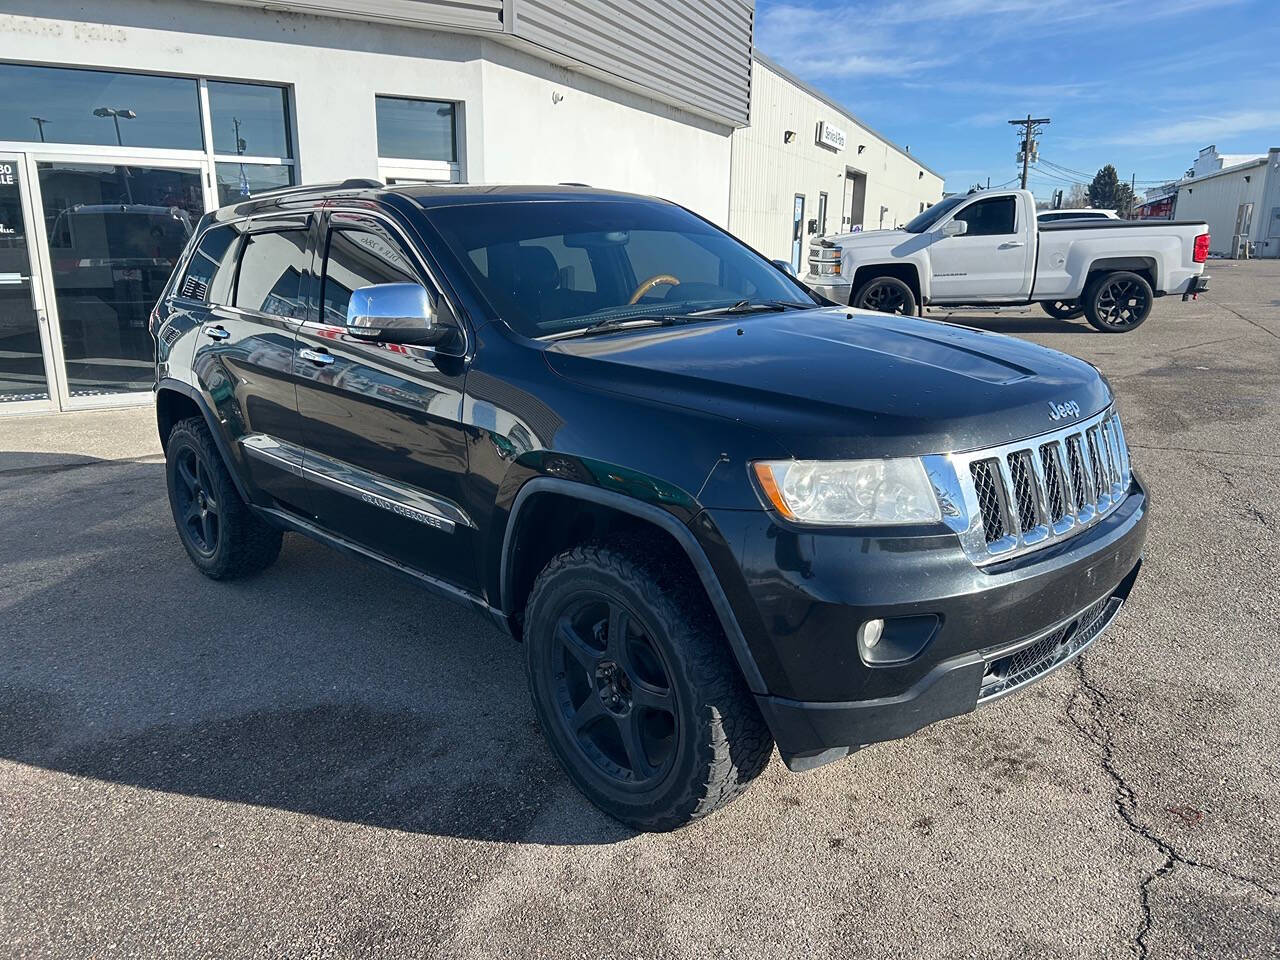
pixel 987 249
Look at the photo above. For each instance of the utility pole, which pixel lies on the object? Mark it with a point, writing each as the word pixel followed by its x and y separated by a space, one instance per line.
pixel 1030 127
pixel 1133 195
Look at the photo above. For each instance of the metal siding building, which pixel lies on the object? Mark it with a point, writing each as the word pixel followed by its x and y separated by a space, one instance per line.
pixel 785 177
pixel 1241 198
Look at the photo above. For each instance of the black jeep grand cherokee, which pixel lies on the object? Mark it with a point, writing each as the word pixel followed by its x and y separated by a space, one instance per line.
pixel 719 512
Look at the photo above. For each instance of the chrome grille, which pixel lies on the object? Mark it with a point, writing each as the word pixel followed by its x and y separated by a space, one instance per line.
pixel 1022 496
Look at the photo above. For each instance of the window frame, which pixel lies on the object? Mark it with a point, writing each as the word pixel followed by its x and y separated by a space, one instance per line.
pixel 304 224
pixel 1009 198
pixel 404 169
pixel 214 158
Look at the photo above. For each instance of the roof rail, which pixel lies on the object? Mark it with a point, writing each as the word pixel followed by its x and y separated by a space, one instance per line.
pixel 570 183
pixel 352 183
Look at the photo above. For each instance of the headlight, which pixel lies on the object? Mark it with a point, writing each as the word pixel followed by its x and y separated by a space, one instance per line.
pixel 840 492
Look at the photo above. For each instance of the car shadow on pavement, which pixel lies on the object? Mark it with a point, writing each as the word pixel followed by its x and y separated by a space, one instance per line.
pixel 325 686
pixel 996 323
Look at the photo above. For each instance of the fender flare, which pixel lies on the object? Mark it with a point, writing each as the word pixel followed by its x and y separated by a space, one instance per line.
pixel 659 518
pixel 211 421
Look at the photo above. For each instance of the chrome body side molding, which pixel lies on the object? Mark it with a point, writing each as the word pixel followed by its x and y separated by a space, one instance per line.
pixel 401 499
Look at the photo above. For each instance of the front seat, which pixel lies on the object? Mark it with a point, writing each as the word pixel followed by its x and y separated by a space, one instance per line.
pixel 535 282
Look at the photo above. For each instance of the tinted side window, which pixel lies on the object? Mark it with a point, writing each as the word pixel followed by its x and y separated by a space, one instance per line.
pixel 212 267
pixel 359 258
pixel 271 271
pixel 988 218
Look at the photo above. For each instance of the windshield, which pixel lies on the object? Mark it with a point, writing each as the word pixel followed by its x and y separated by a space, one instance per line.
pixel 924 221
pixel 554 267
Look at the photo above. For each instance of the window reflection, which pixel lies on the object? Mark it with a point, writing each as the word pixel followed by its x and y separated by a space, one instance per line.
pixel 249 119
pixel 416 129
pixel 240 181
pixel 22 373
pixel 115 234
pixel 63 105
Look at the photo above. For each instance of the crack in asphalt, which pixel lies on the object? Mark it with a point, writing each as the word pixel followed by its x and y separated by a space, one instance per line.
pixel 1253 323
pixel 48 468
pixel 1096 729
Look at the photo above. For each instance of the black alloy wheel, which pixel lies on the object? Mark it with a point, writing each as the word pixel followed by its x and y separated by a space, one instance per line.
pixel 1119 302
pixel 223 537
pixel 197 504
pixel 1063 309
pixel 886 295
pixel 635 687
pixel 613 692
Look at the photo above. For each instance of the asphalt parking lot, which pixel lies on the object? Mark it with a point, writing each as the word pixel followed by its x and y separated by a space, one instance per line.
pixel 322 761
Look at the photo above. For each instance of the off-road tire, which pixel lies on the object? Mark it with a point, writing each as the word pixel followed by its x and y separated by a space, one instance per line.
pixel 244 543
pixel 721 742
pixel 880 292
pixel 1117 302
pixel 1062 309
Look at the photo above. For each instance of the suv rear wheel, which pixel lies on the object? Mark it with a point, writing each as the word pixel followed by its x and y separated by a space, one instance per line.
pixel 1117 302
pixel 635 688
pixel 223 537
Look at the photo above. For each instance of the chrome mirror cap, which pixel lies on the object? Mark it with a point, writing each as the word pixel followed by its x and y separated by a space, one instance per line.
pixel 390 311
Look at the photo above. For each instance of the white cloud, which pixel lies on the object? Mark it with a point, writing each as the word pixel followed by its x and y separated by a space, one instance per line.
pixel 1199 130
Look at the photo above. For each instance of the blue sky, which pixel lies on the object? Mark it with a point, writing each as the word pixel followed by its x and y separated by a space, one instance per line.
pixel 1142 84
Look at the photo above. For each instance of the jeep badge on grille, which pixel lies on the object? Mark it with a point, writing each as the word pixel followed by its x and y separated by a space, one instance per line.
pixel 1060 411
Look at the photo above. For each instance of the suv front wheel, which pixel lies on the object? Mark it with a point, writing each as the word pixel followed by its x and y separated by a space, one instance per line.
pixel 223 537
pixel 635 688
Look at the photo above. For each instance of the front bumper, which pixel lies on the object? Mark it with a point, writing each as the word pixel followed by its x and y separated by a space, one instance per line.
pixel 833 288
pixel 805 593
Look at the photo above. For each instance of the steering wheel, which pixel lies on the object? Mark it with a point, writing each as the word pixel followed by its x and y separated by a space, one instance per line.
pixel 654 281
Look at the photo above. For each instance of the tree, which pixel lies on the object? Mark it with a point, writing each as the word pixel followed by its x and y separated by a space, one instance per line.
pixel 1077 197
pixel 1108 193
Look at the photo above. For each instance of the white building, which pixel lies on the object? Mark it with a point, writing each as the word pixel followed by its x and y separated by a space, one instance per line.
pixel 123 121
pixel 806 166
pixel 1240 201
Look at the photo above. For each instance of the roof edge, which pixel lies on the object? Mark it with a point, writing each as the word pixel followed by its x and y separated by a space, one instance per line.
pixel 837 107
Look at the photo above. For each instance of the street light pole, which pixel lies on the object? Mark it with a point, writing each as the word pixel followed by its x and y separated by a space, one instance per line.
pixel 40 122
pixel 115 113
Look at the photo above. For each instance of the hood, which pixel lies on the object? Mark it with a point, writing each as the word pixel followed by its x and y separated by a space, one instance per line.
pixel 838 383
pixel 871 238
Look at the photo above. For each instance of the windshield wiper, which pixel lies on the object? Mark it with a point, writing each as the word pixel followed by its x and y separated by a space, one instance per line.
pixel 749 306
pixel 615 323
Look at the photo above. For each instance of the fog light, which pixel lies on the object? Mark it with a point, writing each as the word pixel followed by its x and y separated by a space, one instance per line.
pixel 870 632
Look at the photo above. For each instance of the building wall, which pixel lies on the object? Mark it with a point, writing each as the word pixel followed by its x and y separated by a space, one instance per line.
pixel 510 129
pixel 1216 199
pixel 767 172
pixel 546 124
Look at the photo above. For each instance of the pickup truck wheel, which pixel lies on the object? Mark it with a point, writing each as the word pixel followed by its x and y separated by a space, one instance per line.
pixel 885 295
pixel 1118 302
pixel 1063 309
pixel 223 537
pixel 635 688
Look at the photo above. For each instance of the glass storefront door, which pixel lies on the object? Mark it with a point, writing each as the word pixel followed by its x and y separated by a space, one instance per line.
pixel 114 233
pixel 23 378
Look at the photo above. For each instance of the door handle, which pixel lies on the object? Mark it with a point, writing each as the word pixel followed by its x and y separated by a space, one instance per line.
pixel 13 278
pixel 1010 244
pixel 217 332
pixel 322 357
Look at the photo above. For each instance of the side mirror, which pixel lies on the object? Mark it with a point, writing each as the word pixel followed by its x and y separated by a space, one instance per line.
pixel 785 267
pixel 396 313
pixel 955 228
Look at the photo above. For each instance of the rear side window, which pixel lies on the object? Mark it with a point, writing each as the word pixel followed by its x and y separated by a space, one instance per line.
pixel 271 270
pixel 212 267
pixel 988 218
pixel 359 258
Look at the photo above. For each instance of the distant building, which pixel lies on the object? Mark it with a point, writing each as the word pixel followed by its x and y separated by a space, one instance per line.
pixel 1238 196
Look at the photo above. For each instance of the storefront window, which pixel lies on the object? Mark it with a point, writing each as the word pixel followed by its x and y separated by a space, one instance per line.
pixel 240 181
pixel 416 129
pixel 115 233
pixel 61 105
pixel 249 119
